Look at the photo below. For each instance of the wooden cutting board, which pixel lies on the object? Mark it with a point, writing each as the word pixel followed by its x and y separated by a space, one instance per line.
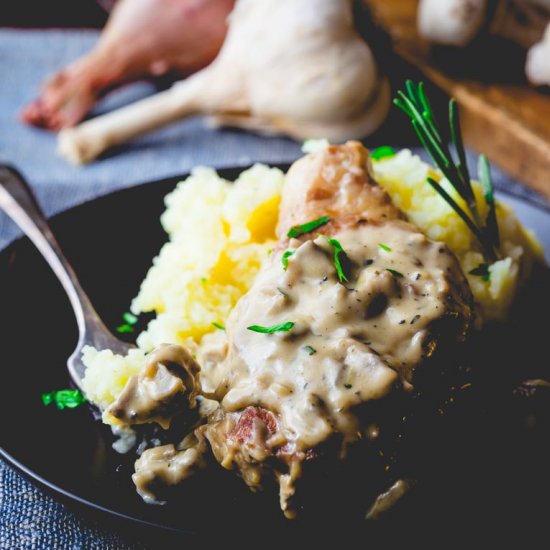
pixel 501 114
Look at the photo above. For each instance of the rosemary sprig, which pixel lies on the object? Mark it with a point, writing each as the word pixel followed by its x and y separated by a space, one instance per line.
pixel 484 174
pixel 417 106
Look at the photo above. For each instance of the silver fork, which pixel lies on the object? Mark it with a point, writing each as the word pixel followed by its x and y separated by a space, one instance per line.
pixel 19 203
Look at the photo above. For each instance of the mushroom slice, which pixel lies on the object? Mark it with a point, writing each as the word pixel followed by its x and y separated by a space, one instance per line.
pixel 168 384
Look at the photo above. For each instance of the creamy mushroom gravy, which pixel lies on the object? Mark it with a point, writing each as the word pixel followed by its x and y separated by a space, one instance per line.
pixel 168 465
pixel 268 401
pixel 168 384
pixel 352 341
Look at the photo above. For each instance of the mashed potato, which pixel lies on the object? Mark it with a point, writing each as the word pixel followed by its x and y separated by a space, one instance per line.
pixel 220 233
pixel 404 178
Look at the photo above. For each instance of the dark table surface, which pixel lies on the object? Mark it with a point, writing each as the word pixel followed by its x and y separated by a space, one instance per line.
pixel 30 518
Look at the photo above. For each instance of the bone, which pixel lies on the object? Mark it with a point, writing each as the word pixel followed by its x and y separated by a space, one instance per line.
pixel 297 68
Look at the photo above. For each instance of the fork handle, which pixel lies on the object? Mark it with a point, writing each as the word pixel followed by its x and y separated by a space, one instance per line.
pixel 19 203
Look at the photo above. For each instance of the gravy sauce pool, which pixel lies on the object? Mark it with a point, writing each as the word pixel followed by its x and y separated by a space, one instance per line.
pixel 352 341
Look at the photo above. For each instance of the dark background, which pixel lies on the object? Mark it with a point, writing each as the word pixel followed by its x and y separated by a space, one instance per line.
pixel 53 13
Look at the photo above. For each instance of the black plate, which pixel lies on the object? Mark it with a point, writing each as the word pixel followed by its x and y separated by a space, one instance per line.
pixel 490 476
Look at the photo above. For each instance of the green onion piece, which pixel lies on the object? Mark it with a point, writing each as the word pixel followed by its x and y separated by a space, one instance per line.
pixel 382 152
pixel 219 326
pixel 283 327
pixel 285 257
pixel 125 328
pixel 69 399
pixel 384 247
pixel 394 272
pixel 338 250
pixel 130 318
pixel 298 230
pixel 482 270
pixel 310 350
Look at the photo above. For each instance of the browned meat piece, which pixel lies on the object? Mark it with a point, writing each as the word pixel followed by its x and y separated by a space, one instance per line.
pixel 363 304
pixel 142 38
pixel 339 184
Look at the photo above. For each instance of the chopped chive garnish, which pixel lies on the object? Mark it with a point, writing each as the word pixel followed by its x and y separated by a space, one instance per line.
pixel 414 319
pixel 348 386
pixel 310 350
pixel 417 107
pixel 338 250
pixel 69 399
pixel 298 230
pixel 204 280
pixel 384 247
pixel 285 257
pixel 219 326
pixel 283 327
pixel 382 152
pixel 394 272
pixel 482 270
pixel 270 251
pixel 130 318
